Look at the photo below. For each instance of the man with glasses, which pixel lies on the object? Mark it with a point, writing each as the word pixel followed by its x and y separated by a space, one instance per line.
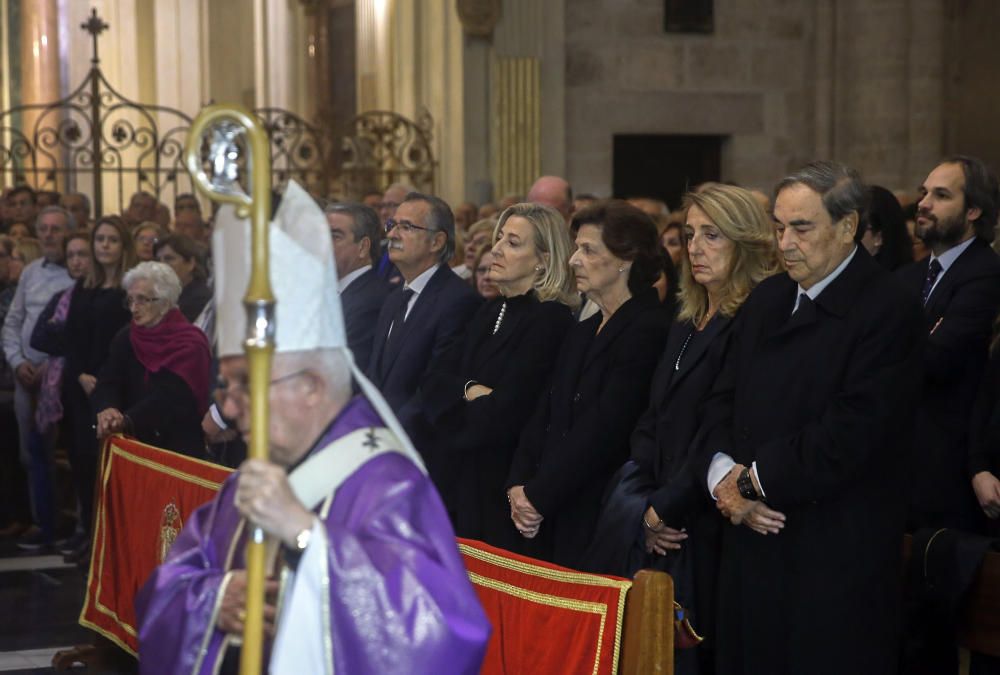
pixel 424 317
pixel 40 280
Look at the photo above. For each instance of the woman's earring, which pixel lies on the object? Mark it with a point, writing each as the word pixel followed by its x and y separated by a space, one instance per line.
pixel 620 270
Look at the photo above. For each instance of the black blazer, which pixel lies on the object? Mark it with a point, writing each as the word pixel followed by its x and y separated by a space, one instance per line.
pixel 474 441
pixel 437 320
pixel 958 319
pixel 361 301
pixel 823 400
pixel 579 433
pixel 662 440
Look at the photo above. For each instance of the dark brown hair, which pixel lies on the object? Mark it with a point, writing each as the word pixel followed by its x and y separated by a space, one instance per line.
pixel 630 235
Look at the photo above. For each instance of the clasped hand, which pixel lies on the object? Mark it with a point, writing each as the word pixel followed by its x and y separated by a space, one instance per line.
pixel 110 421
pixel 739 511
pixel 526 518
pixel 659 537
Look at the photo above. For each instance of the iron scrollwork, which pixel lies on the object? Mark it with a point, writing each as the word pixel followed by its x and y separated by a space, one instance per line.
pixel 383 147
pixel 98 141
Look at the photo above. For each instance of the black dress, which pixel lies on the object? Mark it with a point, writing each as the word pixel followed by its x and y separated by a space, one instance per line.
pixel 662 472
pixel 160 407
pixel 95 315
pixel 474 441
pixel 579 434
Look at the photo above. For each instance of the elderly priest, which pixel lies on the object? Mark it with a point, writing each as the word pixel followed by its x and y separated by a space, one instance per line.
pixel 366 576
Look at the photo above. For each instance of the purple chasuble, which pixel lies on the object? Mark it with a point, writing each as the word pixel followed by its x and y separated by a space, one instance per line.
pixel 400 599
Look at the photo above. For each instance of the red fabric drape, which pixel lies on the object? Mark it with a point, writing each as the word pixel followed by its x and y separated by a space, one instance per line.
pixel 145 496
pixel 546 618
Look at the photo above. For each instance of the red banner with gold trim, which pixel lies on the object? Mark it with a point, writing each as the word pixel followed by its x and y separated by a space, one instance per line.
pixel 145 496
pixel 546 618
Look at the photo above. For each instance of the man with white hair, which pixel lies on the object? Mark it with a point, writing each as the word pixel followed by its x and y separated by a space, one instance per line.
pixel 369 577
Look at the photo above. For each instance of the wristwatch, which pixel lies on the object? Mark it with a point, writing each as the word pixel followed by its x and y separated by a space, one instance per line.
pixel 744 482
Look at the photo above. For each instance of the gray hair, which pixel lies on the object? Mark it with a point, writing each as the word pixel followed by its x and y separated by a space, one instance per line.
pixel 366 224
pixel 440 219
pixel 70 220
pixel 165 283
pixel 840 187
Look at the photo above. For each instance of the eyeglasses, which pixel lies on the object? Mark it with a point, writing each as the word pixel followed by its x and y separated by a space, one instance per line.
pixel 405 226
pixel 139 301
pixel 239 391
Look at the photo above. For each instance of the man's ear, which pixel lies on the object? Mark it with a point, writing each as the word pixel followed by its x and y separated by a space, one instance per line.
pixel 972 214
pixel 366 248
pixel 850 223
pixel 438 241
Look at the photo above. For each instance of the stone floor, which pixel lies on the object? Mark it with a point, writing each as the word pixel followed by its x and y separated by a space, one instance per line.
pixel 40 601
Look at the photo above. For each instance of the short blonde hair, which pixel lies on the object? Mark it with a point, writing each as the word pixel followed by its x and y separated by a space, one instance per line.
pixel 556 281
pixel 741 219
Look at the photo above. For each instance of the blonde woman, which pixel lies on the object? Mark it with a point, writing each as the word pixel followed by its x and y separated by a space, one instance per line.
pixel 660 515
pixel 478 407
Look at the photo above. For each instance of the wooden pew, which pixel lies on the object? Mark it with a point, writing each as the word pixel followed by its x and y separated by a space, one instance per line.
pixel 648 629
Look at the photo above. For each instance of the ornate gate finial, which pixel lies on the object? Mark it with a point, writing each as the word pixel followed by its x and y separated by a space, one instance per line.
pixel 95 26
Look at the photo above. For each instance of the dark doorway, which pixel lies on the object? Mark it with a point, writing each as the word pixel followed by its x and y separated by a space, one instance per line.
pixel 663 166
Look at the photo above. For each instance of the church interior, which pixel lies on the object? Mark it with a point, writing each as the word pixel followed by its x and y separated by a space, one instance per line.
pixel 473 100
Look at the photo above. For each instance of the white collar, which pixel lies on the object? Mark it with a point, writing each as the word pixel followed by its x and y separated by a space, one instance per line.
pixel 820 285
pixel 948 258
pixel 351 276
pixel 420 282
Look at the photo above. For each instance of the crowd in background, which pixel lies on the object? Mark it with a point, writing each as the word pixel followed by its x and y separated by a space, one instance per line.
pixel 565 365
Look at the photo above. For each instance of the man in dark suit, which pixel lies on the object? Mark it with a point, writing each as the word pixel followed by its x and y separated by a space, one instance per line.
pixel 356 235
pixel 806 441
pixel 959 284
pixel 423 318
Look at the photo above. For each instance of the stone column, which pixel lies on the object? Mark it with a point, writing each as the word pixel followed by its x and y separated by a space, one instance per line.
pixel 39 66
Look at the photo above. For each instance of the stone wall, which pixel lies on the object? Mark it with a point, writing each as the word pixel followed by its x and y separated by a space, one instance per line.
pixel 785 81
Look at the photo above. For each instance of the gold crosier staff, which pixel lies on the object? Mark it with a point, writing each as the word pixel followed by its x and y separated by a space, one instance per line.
pixel 226 123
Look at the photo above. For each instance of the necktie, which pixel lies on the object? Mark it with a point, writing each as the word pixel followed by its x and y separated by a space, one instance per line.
pixel 398 318
pixel 933 270
pixel 803 299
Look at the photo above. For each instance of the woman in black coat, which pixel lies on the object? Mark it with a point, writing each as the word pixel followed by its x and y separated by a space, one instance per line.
pixel 96 312
pixel 478 409
pixel 658 515
pixel 155 384
pixel 579 433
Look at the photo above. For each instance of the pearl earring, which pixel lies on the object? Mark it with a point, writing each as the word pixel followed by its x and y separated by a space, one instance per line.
pixel 620 270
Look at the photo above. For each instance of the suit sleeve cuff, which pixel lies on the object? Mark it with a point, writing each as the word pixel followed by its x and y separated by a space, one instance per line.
pixel 760 483
pixel 720 467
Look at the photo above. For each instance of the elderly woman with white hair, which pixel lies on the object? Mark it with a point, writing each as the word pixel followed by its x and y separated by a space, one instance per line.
pixel 155 383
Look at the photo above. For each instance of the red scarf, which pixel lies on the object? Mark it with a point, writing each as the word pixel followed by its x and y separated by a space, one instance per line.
pixel 179 347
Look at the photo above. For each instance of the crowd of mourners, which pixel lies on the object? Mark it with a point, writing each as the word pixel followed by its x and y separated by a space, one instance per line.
pixel 758 393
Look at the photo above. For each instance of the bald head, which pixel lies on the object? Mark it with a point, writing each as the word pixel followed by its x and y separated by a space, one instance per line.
pixel 553 191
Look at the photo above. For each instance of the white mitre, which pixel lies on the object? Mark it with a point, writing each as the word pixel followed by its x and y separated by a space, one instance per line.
pixel 307 315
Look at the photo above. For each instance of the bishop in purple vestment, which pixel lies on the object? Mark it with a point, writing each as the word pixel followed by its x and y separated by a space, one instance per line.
pixel 367 577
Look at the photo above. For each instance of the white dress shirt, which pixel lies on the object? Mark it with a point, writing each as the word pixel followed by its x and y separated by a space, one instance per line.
pixel 947 259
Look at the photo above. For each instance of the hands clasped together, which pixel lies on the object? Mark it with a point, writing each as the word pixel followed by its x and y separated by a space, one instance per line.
pixel 263 496
pixel 754 514
pixel 526 518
